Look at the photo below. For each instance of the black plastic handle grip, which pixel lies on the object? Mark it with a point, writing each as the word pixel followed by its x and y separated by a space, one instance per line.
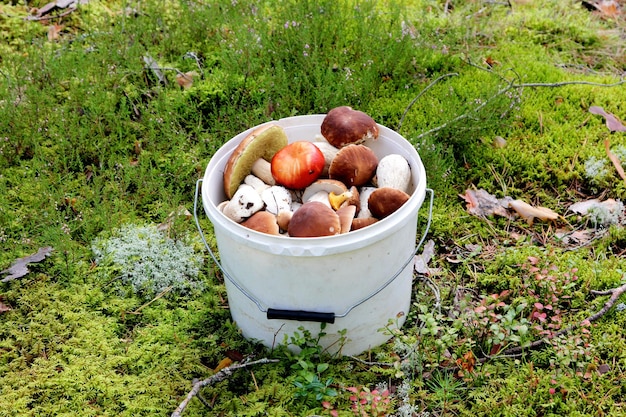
pixel 299 315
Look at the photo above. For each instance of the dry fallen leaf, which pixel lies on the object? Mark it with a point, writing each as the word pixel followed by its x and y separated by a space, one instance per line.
pixel 421 261
pixel 54 32
pixel 19 268
pixel 186 80
pixel 224 363
pixel 4 308
pixel 482 204
pixel 530 213
pixel 614 159
pixel 612 122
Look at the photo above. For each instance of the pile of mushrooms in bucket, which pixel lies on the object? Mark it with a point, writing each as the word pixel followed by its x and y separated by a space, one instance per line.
pixel 332 185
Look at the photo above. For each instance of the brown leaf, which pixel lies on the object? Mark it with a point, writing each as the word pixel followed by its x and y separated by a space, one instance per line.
pixel 4 308
pixel 54 32
pixel 530 213
pixel 186 80
pixel 224 363
pixel 616 162
pixel 19 268
pixel 612 122
pixel 609 8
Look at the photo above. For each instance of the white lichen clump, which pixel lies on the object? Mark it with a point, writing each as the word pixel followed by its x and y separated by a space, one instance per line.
pixel 149 261
pixel 596 169
pixel 606 215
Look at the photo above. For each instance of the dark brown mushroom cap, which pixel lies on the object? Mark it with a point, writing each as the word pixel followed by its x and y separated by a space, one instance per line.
pixel 354 165
pixel 314 219
pixel 262 221
pixel 344 125
pixel 385 201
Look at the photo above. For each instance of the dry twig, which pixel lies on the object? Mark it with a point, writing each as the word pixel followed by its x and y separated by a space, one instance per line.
pixel 615 294
pixel 220 376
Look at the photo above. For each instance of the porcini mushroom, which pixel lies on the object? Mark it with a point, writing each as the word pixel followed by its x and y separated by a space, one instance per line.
pixel 262 142
pixel 393 171
pixel 314 219
pixel 262 221
pixel 344 125
pixel 353 165
pixel 276 198
pixel 346 216
pixel 385 201
pixel 326 185
pixel 245 202
pixel 329 152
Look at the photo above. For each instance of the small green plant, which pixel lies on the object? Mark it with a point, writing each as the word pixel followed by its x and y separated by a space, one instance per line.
pixel 309 366
pixel 149 261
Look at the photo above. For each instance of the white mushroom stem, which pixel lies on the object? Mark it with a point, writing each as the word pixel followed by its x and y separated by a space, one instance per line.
pixel 329 152
pixel 244 204
pixel 364 196
pixel 263 169
pixel 256 183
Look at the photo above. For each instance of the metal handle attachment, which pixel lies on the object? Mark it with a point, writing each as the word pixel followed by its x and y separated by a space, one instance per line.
pixel 299 315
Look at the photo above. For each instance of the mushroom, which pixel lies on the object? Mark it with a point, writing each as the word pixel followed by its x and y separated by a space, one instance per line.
pixel 364 196
pixel 354 199
pixel 346 216
pixel 394 171
pixel 262 221
pixel 337 200
pixel 321 197
pixel 314 219
pixel 262 142
pixel 326 185
pixel 256 183
pixel 361 222
pixel 263 169
pixel 329 152
pixel 385 201
pixel 283 218
pixel 354 165
pixel 244 204
pixel 276 198
pixel 344 125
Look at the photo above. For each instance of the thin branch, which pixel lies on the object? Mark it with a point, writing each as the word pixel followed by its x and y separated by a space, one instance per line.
pixel 511 85
pixel 220 376
pixel 616 293
pixel 428 87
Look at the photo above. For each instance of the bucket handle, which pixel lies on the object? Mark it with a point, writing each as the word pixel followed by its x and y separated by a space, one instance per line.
pixel 300 315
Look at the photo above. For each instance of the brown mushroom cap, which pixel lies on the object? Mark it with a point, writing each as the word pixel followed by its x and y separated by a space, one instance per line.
pixel 314 219
pixel 385 201
pixel 361 222
pixel 344 125
pixel 262 142
pixel 354 165
pixel 262 221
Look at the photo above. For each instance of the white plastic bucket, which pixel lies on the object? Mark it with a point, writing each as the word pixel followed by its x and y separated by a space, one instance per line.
pixel 355 282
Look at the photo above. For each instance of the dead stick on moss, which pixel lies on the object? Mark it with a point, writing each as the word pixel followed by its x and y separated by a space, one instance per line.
pixel 615 293
pixel 220 376
pixel 428 87
pixel 510 86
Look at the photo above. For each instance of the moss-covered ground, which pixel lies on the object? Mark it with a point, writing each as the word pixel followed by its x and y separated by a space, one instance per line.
pixel 92 139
